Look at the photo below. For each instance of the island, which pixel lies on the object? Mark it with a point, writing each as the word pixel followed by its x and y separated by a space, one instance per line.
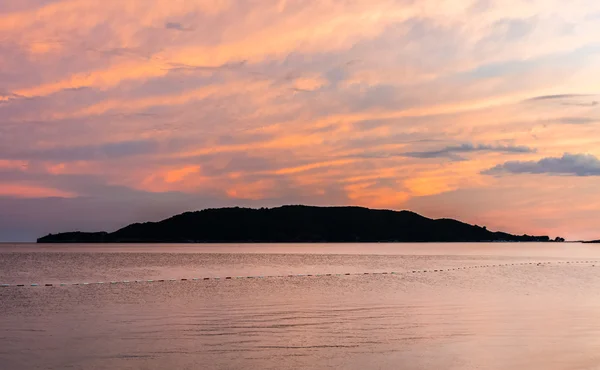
pixel 295 224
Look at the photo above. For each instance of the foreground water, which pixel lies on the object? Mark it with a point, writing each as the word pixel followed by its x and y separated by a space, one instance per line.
pixel 506 315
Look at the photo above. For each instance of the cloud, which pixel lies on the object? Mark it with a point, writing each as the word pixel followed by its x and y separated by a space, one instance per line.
pixel 283 101
pixel 454 151
pixel 583 104
pixel 105 207
pixel 575 100
pixel 568 164
pixel 559 96
pixel 566 206
pixel 176 26
pixel 576 120
pixel 186 67
pixel 509 30
pixel 106 151
pixel 308 84
pixel 8 97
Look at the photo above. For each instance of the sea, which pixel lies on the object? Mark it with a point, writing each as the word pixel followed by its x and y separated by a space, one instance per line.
pixel 464 306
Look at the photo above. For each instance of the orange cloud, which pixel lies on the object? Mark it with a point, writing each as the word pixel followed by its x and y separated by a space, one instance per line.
pixel 139 104
pixel 160 179
pixel 309 83
pixel 363 194
pixel 101 79
pixel 13 165
pixel 254 40
pixel 179 174
pixel 18 190
pixel 251 190
pixel 275 100
pixel 312 166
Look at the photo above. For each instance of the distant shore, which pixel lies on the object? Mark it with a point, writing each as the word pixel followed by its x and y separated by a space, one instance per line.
pixel 296 224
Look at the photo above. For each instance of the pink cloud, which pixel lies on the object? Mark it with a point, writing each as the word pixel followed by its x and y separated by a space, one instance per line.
pixel 392 104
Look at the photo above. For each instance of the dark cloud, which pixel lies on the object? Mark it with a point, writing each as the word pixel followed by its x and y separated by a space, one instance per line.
pixel 559 96
pixel 568 164
pixel 176 26
pixel 454 151
pixel 576 100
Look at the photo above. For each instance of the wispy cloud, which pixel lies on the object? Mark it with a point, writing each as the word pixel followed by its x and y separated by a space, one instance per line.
pixel 568 164
pixel 454 152
pixel 577 120
pixel 576 100
pixel 583 104
pixel 83 153
pixel 268 102
pixel 559 96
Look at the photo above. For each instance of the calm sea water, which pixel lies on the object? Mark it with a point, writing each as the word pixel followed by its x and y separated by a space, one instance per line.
pixel 497 317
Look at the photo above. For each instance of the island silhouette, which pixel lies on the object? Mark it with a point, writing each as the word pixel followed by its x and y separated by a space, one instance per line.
pixel 295 224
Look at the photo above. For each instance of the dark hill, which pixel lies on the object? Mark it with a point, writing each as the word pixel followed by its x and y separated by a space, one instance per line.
pixel 294 224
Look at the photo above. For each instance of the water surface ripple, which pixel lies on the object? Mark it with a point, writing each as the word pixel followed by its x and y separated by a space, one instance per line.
pixel 521 316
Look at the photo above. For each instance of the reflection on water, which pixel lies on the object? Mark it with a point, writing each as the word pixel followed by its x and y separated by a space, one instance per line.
pixel 535 317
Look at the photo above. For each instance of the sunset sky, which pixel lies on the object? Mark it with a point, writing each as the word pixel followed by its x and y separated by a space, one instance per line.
pixel 120 111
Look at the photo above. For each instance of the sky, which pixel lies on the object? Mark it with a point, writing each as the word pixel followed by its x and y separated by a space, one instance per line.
pixel 113 112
